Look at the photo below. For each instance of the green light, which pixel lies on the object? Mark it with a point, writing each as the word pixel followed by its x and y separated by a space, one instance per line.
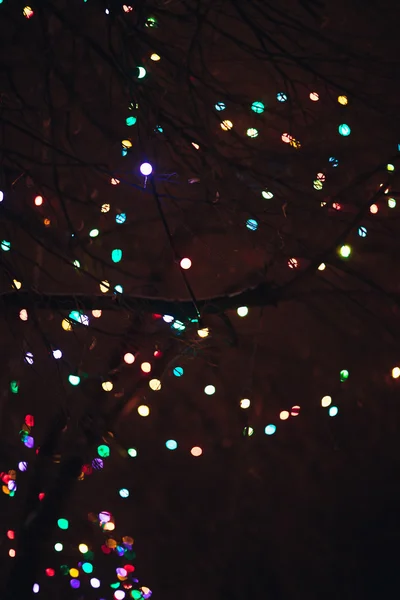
pixel 317 184
pixel 151 22
pixel 77 264
pixel 63 523
pixel 116 255
pixel 103 451
pixel 344 130
pixel 258 107
pixel 58 547
pixel 136 594
pixel 87 567
pixel 252 132
pixel 345 251
pixel 344 375
pixel 14 387
pixel 74 379
pixel 391 203
pixel 390 167
pixel 5 245
pixel 115 586
pixel 132 452
pixel 94 233
pixel 130 121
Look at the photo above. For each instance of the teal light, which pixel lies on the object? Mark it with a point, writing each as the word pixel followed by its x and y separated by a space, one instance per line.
pixel 118 289
pixel 178 325
pixel 136 594
pixel 141 72
pixel 120 218
pixel 130 121
pixel 5 245
pixel 333 411
pixel 258 107
pixel 281 97
pixel 87 567
pixel 362 231
pixel 220 106
pixel 270 429
pixel 74 379
pixel 124 493
pixel 132 452
pixel 116 255
pixel 178 371
pixel 171 444
pixel 252 224
pixel 344 375
pixel 63 523
pixel 158 129
pixel 344 129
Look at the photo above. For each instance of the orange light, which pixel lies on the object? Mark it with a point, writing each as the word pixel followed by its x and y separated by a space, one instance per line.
pixel 46 222
pixel 196 451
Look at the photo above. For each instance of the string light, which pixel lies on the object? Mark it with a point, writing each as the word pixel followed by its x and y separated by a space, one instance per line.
pixel 396 372
pixel 342 100
pixel 196 451
pixel 146 367
pixel 107 386
pixel 258 107
pixel 314 96
pixel 344 129
pixel 333 411
pixel 252 224
pixel 281 97
pixel 284 415
pixel 171 444
pixel 203 333
pixel 326 401
pixel 345 251
pixel 219 106
pixel 155 57
pixel 74 379
pixel 226 125
pixel 83 548
pixel 270 429
pixel 155 385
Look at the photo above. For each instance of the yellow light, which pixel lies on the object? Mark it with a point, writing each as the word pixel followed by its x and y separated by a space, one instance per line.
pixel 11 553
pixel 17 284
pixel 155 384
pixel 83 548
pixel 226 125
pixel 105 286
pixel 126 144
pixel 203 333
pixel 284 415
pixel 146 367
pixel 105 208
pixel 155 57
pixel 196 146
pixel 114 181
pixel 129 358
pixel 396 372
pixel 109 526
pixel 244 403
pixel 314 96
pixel 74 573
pixel 96 313
pixel 107 386
pixel 46 222
pixel 66 325
pixel 322 267
pixel 143 410
pixel 326 401
pixel 342 100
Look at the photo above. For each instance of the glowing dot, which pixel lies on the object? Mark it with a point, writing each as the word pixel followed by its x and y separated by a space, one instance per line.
pixel 155 57
pixel 63 523
pixel 129 358
pixel 1 196
pixel 119 595
pixel 50 572
pixel 158 129
pixel 38 201
pixel 322 267
pixel 87 567
pixel 284 415
pixel 28 12
pixel 286 138
pixel 220 106
pixel 105 286
pixel 196 451
pixel 155 385
pixel 391 203
pixel 267 194
pixel 5 245
pixel 95 583
pixel 334 161
pixel 293 263
pixel 132 452
pixel 171 445
pixel 74 572
pixel 103 450
pixel 317 184
pixel 146 169
pixel 105 208
pixel 242 311
pixel 94 233
pixel 143 410
pixel 185 263
pixel 203 333
pixel 29 358
pixel 146 367
pixel 23 314
pixel 178 371
pixel 58 547
pixel 344 130
pixel 281 97
pixel 11 534
pixel 252 224
pixel 226 125
pixel 17 284
pixel 178 325
pixel 11 553
pixel 344 375
pixel 120 218
pixel 209 390
pixel 270 429
pixel 390 167
pixel 345 251
pixel 195 146
pixel 116 255
pixel 141 72
pixel 244 403
pixel 252 132
pixel 74 379
pixel 258 107
pixel 314 96
pixel 362 231
pixel 373 209
pixel 22 466
pixel 75 584
pixel 14 386
pixel 107 386
pixel 295 411
pixel 96 313
pixel 342 100
pixel 47 222
pixel 124 493
pixel 114 181
pixel 333 411
pixel 326 401
pixel 396 372
pixel 248 431
pixel 35 588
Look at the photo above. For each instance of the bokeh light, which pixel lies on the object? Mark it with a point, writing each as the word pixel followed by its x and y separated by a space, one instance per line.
pixel 242 311
pixel 171 444
pixel 186 263
pixel 244 403
pixel 124 493
pixel 270 429
pixel 146 367
pixel 284 415
pixel 326 401
pixel 146 169
pixel 129 358
pixel 333 411
pixel 196 451
pixel 209 390
pixel 155 385
pixel 143 410
pixel 63 523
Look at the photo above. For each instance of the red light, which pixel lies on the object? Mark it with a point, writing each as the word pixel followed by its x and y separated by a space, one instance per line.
pixel 50 572
pixel 11 534
pixel 41 496
pixel 105 549
pixel 129 568
pixel 155 316
pixel 157 353
pixel 336 206
pixel 295 411
pixel 30 420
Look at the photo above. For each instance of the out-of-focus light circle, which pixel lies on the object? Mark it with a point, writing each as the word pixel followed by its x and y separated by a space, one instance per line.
pixel 11 534
pixel 38 201
pixel 286 138
pixel 58 547
pixel 252 132
pixel 252 224
pixel 155 57
pixel 185 263
pixel 107 386
pixel 391 203
pixel 74 379
pixel 295 411
pixel 103 450
pixel 293 263
pixel 342 100
pixel 396 372
pixel 258 107
pixel 66 325
pixel 83 548
pixel 242 311
pixel 94 233
pixel 270 429
pixel 132 452
pixel 220 106
pixel 344 129
pixel 75 584
pixel 146 367
pixel 168 318
pixel 244 403
pixel 12 553
pixel 203 333
pixel 362 231
pixel 317 184
pixel 124 493
pixel 105 286
pixel 333 161
pixel 171 444
pixel 74 572
pixel 196 451
pixel 209 390
pixel 57 354
pixel 87 567
pixel 35 588
pixel 141 72
pixel 314 96
pixel 345 251
pixel 129 358
pixel 390 167
pixel 146 169
pixel 23 314
pixel 178 371
pixel 28 12
pixel 119 595
pixel 114 181
pixel 322 267
pixel 281 97
pixel 326 401
pixel 63 523
pixel 333 411
pixel 143 410
pixel 267 194
pixel 373 209
pixel 344 375
pixel 155 385
pixel 5 245
pixel 95 583
pixel 284 415
pixel 226 125
pixel 50 572
pixel 22 466
pixel 120 218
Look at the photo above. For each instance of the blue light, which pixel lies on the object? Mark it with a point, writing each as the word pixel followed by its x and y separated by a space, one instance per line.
pixel 118 289
pixel 178 371
pixel 334 161
pixel 252 224
pixel 158 129
pixel 120 218
pixel 333 411
pixel 124 493
pixel 281 97
pixel 362 231
pixel 171 444
pixel 344 129
pixel 220 106
pixel 258 107
pixel 270 429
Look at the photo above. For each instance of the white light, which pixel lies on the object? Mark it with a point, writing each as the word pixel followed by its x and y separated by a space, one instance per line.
pixel 242 311
pixel 168 318
pixel 186 263
pixel 95 583
pixel 1 196
pixel 244 403
pixel 57 354
pixel 209 390
pixel 146 169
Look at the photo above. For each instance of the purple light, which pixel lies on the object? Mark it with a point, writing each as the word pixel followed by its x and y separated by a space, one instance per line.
pixel 75 583
pixel 104 516
pixel 146 169
pixel 12 486
pixel 97 464
pixel 36 588
pixel 95 583
pixel 121 572
pixel 29 441
pixel 22 466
